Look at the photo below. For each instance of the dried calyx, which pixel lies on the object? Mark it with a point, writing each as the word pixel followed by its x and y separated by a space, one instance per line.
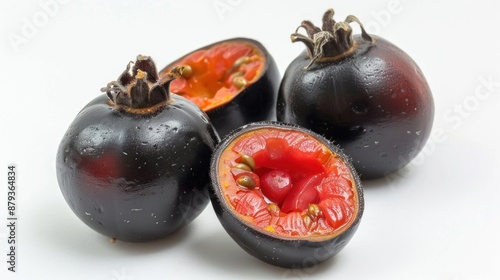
pixel 332 40
pixel 139 86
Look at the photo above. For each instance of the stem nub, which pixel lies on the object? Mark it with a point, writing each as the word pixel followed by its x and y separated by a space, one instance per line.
pixel 139 86
pixel 333 39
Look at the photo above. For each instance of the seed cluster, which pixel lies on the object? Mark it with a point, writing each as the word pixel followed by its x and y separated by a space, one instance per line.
pixel 246 179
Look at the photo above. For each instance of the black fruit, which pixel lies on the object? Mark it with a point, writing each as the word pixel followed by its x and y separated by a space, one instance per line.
pixel 134 164
pixel 362 92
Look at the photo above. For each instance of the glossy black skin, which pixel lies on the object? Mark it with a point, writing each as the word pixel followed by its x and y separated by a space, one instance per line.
pixel 257 102
pixel 279 251
pixel 375 103
pixel 162 162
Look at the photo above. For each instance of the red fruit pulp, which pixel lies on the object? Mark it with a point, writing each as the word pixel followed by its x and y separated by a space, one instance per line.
pixel 302 194
pixel 303 188
pixel 275 185
pixel 219 73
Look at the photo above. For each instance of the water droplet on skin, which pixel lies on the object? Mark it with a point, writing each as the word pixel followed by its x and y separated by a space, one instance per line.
pixel 125 153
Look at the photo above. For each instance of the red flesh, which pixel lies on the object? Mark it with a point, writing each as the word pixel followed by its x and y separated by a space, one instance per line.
pixel 316 177
pixel 303 193
pixel 211 83
pixel 275 185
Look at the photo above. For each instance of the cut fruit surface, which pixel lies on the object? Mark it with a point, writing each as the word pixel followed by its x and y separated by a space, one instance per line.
pixel 217 74
pixel 276 184
pixel 304 189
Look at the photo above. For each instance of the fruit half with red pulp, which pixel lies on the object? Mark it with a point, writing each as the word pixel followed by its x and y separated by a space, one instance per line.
pixel 234 81
pixel 285 194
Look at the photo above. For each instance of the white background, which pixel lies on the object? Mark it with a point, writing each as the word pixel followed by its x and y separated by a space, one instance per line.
pixel 436 219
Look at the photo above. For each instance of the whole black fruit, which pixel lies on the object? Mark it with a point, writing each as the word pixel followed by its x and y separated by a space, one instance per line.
pixel 134 163
pixel 362 92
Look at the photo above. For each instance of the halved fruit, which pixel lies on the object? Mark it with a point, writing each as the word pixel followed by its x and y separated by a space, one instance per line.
pixel 286 195
pixel 234 81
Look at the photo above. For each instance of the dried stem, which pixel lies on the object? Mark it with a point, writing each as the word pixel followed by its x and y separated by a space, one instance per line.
pixel 139 86
pixel 332 40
